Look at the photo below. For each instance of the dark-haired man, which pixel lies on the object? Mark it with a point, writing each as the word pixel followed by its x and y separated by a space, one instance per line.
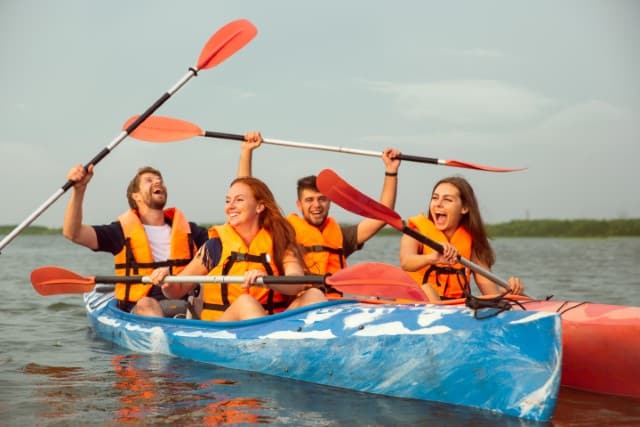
pixel 143 238
pixel 326 243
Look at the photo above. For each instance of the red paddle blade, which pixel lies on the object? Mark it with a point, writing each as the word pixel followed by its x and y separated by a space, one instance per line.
pixel 51 280
pixel 351 199
pixel 382 280
pixel 225 42
pixel 163 129
pixel 459 164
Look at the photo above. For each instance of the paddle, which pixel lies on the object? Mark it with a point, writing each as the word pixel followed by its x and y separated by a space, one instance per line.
pixel 224 43
pixel 351 199
pixel 371 279
pixel 167 129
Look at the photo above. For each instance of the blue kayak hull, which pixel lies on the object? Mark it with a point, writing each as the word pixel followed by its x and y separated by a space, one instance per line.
pixel 509 363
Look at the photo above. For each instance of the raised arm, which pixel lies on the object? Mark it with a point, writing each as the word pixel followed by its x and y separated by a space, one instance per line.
pixel 252 140
pixel 367 228
pixel 73 228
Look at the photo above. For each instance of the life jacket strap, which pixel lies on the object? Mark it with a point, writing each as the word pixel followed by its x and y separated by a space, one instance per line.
pixel 460 274
pixel 322 248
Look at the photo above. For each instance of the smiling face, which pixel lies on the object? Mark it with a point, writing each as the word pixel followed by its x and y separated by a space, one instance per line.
pixel 314 206
pixel 151 191
pixel 241 207
pixel 446 208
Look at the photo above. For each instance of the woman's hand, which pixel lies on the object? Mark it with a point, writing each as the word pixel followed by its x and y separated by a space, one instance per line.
pixel 157 276
pixel 252 140
pixel 250 278
pixel 391 159
pixel 449 255
pixel 516 286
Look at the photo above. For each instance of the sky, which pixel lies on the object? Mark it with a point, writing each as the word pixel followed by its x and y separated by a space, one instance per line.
pixel 550 85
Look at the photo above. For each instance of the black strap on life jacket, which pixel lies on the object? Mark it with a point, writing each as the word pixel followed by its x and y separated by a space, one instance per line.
pixel 131 266
pixel 460 274
pixel 498 304
pixel 322 248
pixel 263 259
pixel 336 251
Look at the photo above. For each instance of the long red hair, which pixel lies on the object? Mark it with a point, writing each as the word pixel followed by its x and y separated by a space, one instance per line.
pixel 273 220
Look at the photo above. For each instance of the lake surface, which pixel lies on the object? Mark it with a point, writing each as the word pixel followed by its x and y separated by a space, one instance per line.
pixel 53 372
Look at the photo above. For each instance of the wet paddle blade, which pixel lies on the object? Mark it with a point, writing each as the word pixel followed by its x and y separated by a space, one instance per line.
pixel 52 280
pixel 460 164
pixel 351 199
pixel 163 129
pixel 225 42
pixel 377 279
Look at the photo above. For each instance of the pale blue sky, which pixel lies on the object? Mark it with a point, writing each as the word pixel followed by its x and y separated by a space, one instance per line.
pixel 550 85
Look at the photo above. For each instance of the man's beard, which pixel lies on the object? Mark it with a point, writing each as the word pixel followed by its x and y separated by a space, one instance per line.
pixel 154 203
pixel 317 222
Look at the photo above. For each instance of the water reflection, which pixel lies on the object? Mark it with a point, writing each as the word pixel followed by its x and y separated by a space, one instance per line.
pixel 580 408
pixel 158 390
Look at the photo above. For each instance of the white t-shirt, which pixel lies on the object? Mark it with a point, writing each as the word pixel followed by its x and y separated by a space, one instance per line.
pixel 159 237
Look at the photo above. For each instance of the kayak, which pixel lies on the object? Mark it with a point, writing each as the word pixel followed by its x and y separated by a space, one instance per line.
pixel 601 345
pixel 600 342
pixel 508 363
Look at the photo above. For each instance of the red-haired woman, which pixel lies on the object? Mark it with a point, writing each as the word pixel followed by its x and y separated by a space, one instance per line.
pixel 255 241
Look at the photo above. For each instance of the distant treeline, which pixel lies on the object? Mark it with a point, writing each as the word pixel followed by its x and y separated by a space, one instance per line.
pixel 566 228
pixel 560 228
pixel 32 229
pixel 515 228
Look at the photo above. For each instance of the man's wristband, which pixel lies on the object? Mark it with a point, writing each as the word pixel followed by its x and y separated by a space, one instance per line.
pixel 391 174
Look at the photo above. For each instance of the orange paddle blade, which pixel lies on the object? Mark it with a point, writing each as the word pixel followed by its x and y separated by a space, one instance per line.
pixel 163 129
pixel 225 42
pixel 52 280
pixel 374 278
pixel 351 199
pixel 461 164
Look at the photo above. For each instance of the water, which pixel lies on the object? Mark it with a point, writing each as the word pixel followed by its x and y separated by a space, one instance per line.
pixel 53 372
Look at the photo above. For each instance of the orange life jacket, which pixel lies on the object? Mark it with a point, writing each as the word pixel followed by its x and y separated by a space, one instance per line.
pixel 323 252
pixel 136 258
pixel 235 260
pixel 450 281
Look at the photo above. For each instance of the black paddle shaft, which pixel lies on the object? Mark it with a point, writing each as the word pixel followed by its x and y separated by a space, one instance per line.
pixel 211 134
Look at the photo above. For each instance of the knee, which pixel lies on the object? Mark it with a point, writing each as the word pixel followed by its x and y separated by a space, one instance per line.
pixel 243 308
pixel 312 296
pixel 315 295
pixel 147 307
pixel 246 300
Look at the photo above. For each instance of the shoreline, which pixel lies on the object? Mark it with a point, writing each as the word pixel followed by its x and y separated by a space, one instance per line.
pixel 513 228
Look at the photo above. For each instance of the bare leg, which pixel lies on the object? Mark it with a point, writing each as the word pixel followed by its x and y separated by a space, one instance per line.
pixel 148 307
pixel 431 293
pixel 243 308
pixel 310 296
